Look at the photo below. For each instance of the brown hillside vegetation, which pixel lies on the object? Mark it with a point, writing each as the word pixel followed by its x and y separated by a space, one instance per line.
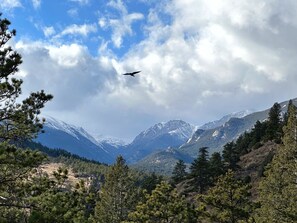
pixel 253 164
pixel 49 168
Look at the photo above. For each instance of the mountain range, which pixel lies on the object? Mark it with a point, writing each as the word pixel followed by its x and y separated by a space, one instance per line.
pixel 159 147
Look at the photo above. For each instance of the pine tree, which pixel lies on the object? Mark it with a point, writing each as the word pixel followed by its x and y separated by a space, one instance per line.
pixel 150 181
pixel 227 202
pixel 216 166
pixel 118 195
pixel 274 124
pixel 18 121
pixel 230 156
pixel 179 172
pixel 162 206
pixel 200 171
pixel 54 202
pixel 278 189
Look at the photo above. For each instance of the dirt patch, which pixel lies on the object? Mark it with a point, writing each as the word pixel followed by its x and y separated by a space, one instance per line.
pixel 49 168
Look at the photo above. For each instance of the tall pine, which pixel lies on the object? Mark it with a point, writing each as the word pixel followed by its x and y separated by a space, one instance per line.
pixel 228 201
pixel 200 171
pixel 18 122
pixel 118 195
pixel 163 205
pixel 278 190
pixel 274 124
pixel 179 172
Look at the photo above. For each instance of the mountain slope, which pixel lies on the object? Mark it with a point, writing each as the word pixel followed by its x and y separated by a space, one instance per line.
pixel 214 138
pixel 73 139
pixel 160 136
pixel 217 137
pixel 163 162
pixel 224 119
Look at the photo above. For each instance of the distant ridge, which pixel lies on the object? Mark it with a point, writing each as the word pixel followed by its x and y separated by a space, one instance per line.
pixel 173 133
pixel 60 135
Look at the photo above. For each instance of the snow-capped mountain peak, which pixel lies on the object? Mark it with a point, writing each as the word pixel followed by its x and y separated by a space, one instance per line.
pixel 178 128
pixel 117 143
pixel 68 128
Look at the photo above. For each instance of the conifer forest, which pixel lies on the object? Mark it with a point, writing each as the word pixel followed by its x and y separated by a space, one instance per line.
pixel 217 187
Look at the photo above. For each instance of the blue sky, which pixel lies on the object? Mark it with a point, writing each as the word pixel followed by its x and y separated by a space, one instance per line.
pixel 200 59
pixel 89 22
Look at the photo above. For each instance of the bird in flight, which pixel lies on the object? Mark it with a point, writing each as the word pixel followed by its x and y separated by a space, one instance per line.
pixel 132 73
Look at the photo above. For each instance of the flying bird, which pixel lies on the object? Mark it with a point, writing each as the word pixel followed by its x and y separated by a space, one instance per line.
pixel 132 73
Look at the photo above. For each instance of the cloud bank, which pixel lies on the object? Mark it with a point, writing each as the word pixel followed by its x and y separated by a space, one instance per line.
pixel 199 60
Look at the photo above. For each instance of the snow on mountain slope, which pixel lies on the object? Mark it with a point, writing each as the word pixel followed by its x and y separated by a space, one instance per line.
pixel 176 128
pixel 117 143
pixel 160 136
pixel 224 119
pixel 76 140
pixel 68 128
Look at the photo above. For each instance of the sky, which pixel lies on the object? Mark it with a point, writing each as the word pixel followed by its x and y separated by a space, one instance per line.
pixel 199 59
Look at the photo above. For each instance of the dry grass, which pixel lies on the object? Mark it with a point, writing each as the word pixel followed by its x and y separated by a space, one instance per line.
pixel 49 168
pixel 253 164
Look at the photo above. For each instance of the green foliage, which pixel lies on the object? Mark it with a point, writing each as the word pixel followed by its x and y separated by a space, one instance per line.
pixel 200 171
pixel 53 201
pixel 216 166
pixel 278 189
pixel 148 182
pixel 231 156
pixel 163 205
pixel 18 121
pixel 17 166
pixel 179 172
pixel 227 202
pixel 118 195
pixel 274 124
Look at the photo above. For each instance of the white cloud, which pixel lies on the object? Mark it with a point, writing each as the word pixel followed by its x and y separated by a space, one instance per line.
pixel 72 12
pixel 48 31
pixel 201 60
pixel 10 4
pixel 121 26
pixel 81 2
pixel 82 30
pixel 66 71
pixel 36 3
pixel 214 54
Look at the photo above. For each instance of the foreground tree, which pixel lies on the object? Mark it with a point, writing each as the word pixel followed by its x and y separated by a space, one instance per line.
pixel 118 195
pixel 227 202
pixel 18 121
pixel 162 206
pixel 278 189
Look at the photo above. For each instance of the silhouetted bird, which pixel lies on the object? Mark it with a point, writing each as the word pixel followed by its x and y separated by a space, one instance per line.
pixel 132 73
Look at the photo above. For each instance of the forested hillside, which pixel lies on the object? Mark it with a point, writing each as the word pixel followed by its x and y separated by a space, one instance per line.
pixel 235 186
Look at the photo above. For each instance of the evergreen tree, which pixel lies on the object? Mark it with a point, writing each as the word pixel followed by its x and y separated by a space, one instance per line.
pixel 200 171
pixel 216 166
pixel 230 156
pixel 274 124
pixel 257 134
pixel 179 172
pixel 162 206
pixel 118 195
pixel 18 121
pixel 54 202
pixel 150 181
pixel 278 189
pixel 227 202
